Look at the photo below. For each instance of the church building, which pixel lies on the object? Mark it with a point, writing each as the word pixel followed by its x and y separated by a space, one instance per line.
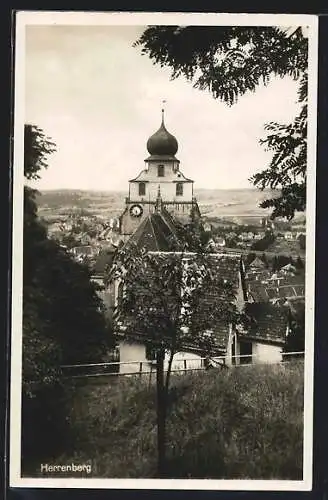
pixel 162 178
pixel 160 198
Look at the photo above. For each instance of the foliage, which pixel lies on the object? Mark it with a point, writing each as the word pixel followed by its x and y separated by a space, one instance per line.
pixel 299 263
pixel 164 293
pixel 296 337
pixel 230 61
pixel 37 148
pixel 287 170
pixel 264 243
pixel 241 414
pixel 70 240
pixel 62 320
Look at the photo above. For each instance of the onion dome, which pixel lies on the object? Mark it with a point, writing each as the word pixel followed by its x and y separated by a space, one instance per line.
pixel 162 142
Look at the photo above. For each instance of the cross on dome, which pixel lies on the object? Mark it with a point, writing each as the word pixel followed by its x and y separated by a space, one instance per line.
pixel 163 109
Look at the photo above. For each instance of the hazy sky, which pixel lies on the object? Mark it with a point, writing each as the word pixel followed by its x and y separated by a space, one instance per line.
pixel 99 99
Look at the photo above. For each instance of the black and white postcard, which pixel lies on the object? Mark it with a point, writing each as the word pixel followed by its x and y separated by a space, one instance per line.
pixel 163 251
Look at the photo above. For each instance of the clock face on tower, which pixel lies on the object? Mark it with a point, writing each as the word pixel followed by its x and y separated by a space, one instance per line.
pixel 136 210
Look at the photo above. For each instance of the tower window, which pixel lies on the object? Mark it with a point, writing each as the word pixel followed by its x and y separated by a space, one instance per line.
pixel 142 189
pixel 160 170
pixel 179 189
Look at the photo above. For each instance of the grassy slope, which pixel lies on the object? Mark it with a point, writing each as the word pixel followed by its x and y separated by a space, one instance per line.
pixel 240 423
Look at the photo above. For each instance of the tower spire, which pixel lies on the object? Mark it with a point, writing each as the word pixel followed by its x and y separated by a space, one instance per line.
pixel 163 110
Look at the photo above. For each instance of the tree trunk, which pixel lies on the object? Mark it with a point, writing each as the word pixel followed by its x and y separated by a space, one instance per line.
pixel 161 413
pixel 168 373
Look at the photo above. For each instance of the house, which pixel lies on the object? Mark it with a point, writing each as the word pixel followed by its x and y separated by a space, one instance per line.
pixel 257 264
pixel 261 337
pixel 268 292
pixel 83 251
pixel 220 242
pixel 207 227
pixel 288 269
pixel 102 263
pixel 289 236
pixel 244 236
pixel 155 234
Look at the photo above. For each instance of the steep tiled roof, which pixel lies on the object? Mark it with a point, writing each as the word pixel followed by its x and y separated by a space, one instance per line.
pixel 266 322
pixel 155 233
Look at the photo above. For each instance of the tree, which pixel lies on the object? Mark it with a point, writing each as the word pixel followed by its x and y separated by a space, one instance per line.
pixel 230 61
pixel 37 148
pixel 302 241
pixel 296 337
pixel 264 243
pixel 299 263
pixel 170 301
pixel 275 264
pixel 62 318
pixel 265 260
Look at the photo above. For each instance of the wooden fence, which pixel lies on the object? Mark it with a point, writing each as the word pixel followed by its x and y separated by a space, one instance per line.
pixel 93 370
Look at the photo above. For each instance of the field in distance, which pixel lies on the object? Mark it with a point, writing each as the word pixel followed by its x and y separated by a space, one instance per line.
pixel 213 203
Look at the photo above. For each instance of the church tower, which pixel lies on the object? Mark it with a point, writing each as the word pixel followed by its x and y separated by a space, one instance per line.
pixel 162 175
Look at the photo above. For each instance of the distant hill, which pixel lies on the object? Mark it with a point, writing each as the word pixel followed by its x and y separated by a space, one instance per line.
pixel 233 202
pixel 213 203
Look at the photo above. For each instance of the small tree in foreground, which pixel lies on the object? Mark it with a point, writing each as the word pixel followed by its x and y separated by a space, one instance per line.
pixel 170 300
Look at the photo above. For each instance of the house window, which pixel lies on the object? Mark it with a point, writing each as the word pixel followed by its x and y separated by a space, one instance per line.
pixel 179 189
pixel 245 350
pixel 150 353
pixel 160 170
pixel 142 189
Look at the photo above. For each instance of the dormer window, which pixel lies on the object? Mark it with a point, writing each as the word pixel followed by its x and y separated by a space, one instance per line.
pixel 160 170
pixel 179 189
pixel 142 189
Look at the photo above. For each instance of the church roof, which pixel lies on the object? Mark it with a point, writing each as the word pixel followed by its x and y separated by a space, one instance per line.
pixel 162 142
pixel 155 233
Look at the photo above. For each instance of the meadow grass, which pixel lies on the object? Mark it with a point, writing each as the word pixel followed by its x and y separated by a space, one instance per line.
pixel 243 423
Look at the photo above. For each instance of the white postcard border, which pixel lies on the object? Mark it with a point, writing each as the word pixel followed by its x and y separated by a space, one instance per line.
pixel 24 18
